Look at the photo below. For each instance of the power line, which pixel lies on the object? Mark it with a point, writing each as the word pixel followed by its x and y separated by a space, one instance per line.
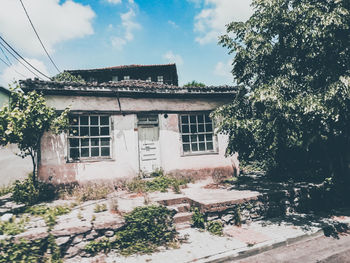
pixel 13 69
pixel 3 52
pixel 20 61
pixel 22 58
pixel 47 53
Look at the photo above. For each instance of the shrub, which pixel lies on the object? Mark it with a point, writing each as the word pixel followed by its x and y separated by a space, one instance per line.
pixel 49 214
pixel 13 227
pixel 28 193
pixel 100 208
pixel 86 192
pixel 198 219
pixel 145 229
pixel 215 227
pixel 4 190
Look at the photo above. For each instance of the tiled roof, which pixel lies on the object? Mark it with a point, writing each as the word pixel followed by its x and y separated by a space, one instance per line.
pixel 123 67
pixel 125 86
pixel 4 90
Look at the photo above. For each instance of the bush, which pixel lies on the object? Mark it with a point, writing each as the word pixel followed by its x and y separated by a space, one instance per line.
pixel 215 227
pixel 145 229
pixel 27 193
pixel 198 219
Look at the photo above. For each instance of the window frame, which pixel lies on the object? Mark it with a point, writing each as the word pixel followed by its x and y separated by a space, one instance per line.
pixel 160 81
pixel 89 138
pixel 126 77
pixel 214 150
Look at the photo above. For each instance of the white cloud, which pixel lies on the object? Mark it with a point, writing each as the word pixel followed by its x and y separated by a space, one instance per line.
pixel 210 22
pixel 173 58
pixel 223 69
pixel 129 26
pixel 11 74
pixel 55 22
pixel 173 24
pixel 114 1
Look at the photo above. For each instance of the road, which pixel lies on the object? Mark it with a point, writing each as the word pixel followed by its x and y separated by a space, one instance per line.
pixel 319 249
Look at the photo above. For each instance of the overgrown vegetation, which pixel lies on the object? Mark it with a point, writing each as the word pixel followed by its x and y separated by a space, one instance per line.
pixel 86 192
pixel 4 190
pixel 146 228
pixel 13 226
pixel 198 219
pixel 194 83
pixel 100 208
pixel 49 214
pixel 67 77
pixel 215 227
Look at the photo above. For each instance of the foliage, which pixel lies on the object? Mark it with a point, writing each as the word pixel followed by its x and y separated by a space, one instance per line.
pixel 4 190
pixel 67 77
pixel 27 193
pixel 293 115
pixel 194 83
pixel 100 208
pixel 25 120
pixel 86 192
pixel 49 214
pixel 161 183
pixel 198 219
pixel 30 251
pixel 237 217
pixel 14 226
pixel 215 227
pixel 145 229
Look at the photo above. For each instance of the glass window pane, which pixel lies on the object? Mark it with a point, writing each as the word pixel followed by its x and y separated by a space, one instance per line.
pixel 95 142
pixel 193 119
pixel 201 137
pixel 94 131
pixel 73 131
pixel 84 152
pixel 84 131
pixel 95 151
pixel 84 142
pixel 105 131
pixel 207 119
pixel 209 127
pixel 74 142
pixel 186 147
pixel 193 128
pixel 74 153
pixel 194 138
pixel 194 147
pixel 184 119
pixel 105 142
pixel 209 137
pixel 186 138
pixel 73 120
pixel 104 120
pixel 94 120
pixel 185 129
pixel 210 146
pixel 105 151
pixel 200 127
pixel 200 119
pixel 84 120
pixel 202 146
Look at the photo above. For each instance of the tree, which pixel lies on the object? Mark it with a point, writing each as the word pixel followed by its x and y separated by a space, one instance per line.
pixel 194 83
pixel 25 120
pixel 292 114
pixel 67 77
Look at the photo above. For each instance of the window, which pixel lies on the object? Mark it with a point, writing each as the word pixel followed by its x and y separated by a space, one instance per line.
pixel 149 79
pixel 197 133
pixel 89 137
pixel 126 77
pixel 115 78
pixel 147 119
pixel 160 79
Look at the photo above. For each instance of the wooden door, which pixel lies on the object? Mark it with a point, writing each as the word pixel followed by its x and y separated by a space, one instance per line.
pixel 149 148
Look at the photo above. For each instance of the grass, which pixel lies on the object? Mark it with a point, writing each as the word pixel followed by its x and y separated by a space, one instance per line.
pixel 4 190
pixel 86 192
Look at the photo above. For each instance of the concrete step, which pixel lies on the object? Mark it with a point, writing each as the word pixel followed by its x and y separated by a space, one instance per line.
pixel 182 226
pixel 180 208
pixel 184 217
pixel 173 201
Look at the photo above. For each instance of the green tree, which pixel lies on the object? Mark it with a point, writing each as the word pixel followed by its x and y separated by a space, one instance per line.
pixel 194 83
pixel 67 77
pixel 25 120
pixel 292 113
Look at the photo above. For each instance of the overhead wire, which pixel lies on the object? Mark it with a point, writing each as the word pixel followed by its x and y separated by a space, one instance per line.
pixel 36 33
pixel 3 52
pixel 22 58
pixel 13 69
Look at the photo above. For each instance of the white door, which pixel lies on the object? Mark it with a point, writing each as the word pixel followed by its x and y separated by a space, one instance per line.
pixel 149 148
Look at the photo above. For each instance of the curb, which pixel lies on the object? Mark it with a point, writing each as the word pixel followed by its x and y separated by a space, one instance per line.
pixel 243 252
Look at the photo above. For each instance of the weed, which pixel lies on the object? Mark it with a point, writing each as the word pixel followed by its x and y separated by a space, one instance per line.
pixel 4 190
pixel 86 192
pixel 14 226
pixel 215 227
pixel 49 214
pixel 198 219
pixel 100 208
pixel 237 216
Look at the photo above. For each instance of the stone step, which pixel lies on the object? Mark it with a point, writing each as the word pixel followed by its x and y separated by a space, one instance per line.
pixel 184 217
pixel 173 201
pixel 182 226
pixel 180 208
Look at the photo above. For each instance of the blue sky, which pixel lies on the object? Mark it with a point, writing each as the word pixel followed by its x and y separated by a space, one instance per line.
pixel 101 33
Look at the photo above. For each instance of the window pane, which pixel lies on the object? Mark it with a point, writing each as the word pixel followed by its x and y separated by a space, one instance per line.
pixel 200 127
pixel 74 131
pixel 184 119
pixel 207 119
pixel 84 131
pixel 104 142
pixel 74 142
pixel 105 151
pixel 105 131
pixel 202 146
pixel 84 152
pixel 84 120
pixel 95 142
pixel 94 120
pixel 84 142
pixel 94 131
pixel 193 128
pixel 193 138
pixel 209 137
pixel 209 127
pixel 185 129
pixel 186 147
pixel 95 151
pixel 73 120
pixel 210 146
pixel 201 137
pixel 104 120
pixel 193 119
pixel 194 147
pixel 74 153
pixel 200 119
pixel 186 138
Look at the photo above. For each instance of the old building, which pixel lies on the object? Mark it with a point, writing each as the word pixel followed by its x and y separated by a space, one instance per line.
pixel 151 73
pixel 119 129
